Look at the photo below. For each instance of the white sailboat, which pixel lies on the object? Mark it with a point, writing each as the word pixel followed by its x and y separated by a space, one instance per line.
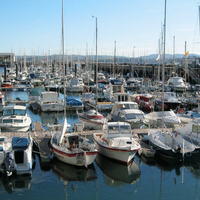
pixel 70 148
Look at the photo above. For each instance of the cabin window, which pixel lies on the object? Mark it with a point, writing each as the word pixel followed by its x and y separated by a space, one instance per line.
pixel 113 129
pixel 8 112
pixel 125 129
pixel 196 128
pixel 7 121
pixel 19 112
pixel 18 121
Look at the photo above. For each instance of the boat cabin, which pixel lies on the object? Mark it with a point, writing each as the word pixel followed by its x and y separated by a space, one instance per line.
pixel 124 105
pixel 118 129
pixel 49 96
pixel 14 110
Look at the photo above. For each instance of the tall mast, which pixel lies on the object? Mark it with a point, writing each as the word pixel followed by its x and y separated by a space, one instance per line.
pixel 63 52
pixel 163 71
pixel 114 60
pixel 96 69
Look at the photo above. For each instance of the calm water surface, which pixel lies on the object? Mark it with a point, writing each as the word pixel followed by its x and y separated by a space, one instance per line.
pixel 104 179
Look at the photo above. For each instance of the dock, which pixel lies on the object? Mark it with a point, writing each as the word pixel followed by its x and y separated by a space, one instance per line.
pixel 48 134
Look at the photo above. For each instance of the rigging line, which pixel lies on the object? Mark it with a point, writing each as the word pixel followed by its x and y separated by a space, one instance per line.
pixel 195 32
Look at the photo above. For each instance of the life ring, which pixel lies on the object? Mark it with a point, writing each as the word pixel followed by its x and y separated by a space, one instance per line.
pixel 180 111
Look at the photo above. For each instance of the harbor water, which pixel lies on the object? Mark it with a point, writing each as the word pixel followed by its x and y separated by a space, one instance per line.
pixel 105 179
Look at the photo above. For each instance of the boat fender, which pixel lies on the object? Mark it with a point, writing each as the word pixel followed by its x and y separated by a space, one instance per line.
pixel 180 111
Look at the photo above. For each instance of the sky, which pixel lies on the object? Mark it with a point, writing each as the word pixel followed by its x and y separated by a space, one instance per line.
pixel 128 27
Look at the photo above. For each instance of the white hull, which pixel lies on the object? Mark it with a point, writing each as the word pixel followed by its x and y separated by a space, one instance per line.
pixel 74 158
pixel 118 154
pixel 13 128
pixel 117 142
pixel 51 107
pixel 89 124
pixel 73 149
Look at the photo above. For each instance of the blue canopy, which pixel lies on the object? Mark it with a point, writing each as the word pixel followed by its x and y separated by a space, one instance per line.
pixel 70 101
pixel 19 143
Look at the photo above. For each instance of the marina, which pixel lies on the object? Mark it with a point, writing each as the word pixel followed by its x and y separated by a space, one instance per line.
pixel 143 178
pixel 103 123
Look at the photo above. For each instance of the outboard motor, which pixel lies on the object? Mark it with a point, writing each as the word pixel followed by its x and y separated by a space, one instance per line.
pixel 9 163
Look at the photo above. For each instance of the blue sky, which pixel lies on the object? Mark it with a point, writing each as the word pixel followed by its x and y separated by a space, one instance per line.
pixel 34 27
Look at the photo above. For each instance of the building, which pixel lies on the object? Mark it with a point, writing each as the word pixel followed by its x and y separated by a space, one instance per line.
pixel 7 59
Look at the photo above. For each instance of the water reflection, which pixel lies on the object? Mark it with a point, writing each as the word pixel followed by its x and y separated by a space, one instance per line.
pixel 116 174
pixel 50 117
pixel 194 167
pixel 9 184
pixel 67 173
pixel 167 166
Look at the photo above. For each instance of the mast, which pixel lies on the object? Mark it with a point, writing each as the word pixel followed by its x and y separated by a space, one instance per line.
pixel 63 52
pixel 114 60
pixel 163 71
pixel 185 68
pixel 96 70
pixel 65 119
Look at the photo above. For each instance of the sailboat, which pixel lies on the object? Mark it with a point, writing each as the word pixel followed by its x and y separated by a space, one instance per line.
pixel 68 147
pixel 170 145
pixel 92 119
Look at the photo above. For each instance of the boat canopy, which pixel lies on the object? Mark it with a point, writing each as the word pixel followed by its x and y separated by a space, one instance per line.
pixel 19 143
pixel 73 101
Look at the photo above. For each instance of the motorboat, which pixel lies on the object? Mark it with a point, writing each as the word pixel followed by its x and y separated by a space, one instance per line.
pixel 34 95
pixel 177 84
pixel 92 119
pixel 101 103
pixel 114 86
pixel 171 145
pixel 191 131
pixel 144 103
pixel 75 85
pixel 170 119
pixel 86 96
pixel 16 155
pixel 6 85
pixel 49 101
pixel 73 149
pixel 74 103
pixel 127 112
pixel 132 84
pixel 117 142
pixel 171 101
pixel 15 118
pixel 188 115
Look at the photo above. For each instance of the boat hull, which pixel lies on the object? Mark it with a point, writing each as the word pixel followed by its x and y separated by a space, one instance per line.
pixel 123 155
pixel 72 158
pixel 51 107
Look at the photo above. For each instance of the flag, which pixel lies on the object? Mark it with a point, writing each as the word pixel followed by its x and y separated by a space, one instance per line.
pixel 158 57
pixel 186 53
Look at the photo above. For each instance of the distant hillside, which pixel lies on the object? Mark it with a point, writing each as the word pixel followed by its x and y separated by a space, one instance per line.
pixel 107 58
